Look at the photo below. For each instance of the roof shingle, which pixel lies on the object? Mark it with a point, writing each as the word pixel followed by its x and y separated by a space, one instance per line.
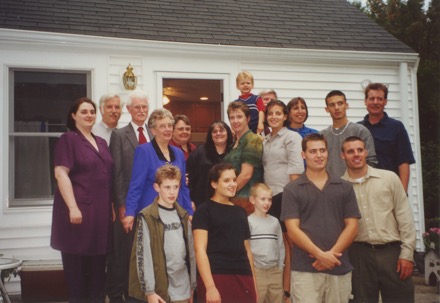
pixel 301 24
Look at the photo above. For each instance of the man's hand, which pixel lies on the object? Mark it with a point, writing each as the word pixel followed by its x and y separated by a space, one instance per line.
pixel 327 260
pixel 121 214
pixel 128 223
pixel 405 268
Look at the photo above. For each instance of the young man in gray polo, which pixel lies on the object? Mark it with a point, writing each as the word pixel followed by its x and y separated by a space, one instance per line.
pixel 321 216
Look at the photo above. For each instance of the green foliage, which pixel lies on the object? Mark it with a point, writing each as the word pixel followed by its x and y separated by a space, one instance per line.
pixel 420 29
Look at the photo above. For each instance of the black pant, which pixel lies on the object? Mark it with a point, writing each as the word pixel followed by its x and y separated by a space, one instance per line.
pixel 118 262
pixel 375 271
pixel 85 277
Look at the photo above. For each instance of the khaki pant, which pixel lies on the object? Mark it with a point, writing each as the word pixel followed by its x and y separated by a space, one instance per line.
pixel 320 288
pixel 269 284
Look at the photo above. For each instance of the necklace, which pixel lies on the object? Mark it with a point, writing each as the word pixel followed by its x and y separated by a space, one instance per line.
pixel 343 130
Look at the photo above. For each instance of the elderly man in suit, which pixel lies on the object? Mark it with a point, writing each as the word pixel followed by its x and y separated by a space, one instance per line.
pixel 123 142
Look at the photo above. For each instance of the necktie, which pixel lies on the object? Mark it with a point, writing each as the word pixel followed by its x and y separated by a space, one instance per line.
pixel 142 138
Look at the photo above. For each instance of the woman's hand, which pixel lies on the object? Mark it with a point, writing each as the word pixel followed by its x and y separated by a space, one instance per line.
pixel 155 298
pixel 212 295
pixel 75 215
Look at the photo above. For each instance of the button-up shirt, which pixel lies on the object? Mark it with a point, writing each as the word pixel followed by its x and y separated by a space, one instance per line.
pixel 281 158
pixel 102 130
pixel 385 210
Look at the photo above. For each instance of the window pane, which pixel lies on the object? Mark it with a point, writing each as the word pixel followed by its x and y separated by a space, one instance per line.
pixel 42 99
pixel 34 167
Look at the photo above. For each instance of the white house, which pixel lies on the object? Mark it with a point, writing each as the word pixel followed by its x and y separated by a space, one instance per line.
pixel 298 47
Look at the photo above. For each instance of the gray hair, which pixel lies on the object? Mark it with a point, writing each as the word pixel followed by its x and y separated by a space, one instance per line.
pixel 268 91
pixel 136 94
pixel 104 98
pixel 159 114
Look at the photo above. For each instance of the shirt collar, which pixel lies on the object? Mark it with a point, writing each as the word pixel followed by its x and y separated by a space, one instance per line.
pixel 381 121
pixel 160 154
pixel 303 179
pixel 371 173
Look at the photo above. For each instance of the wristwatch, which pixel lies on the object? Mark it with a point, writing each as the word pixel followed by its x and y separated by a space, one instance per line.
pixel 287 294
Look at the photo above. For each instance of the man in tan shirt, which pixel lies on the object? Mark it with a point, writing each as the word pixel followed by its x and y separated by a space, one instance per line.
pixel 382 252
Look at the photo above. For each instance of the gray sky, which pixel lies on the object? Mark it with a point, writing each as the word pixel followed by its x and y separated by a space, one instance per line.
pixel 364 2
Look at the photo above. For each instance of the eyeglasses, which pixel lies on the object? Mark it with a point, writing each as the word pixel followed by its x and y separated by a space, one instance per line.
pixel 219 131
pixel 165 126
pixel 138 108
pixel 184 128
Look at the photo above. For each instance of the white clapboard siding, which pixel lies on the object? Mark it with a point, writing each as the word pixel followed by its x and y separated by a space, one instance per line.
pixel 25 232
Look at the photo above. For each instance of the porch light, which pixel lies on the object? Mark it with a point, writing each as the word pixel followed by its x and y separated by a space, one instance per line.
pixel 165 100
pixel 129 79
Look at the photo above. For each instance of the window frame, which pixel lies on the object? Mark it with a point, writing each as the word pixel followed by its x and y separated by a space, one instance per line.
pixel 14 202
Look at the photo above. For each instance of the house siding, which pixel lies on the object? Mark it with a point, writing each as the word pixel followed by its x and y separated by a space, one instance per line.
pixel 25 232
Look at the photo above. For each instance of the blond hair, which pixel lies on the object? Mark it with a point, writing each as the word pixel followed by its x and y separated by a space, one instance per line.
pixel 244 75
pixel 258 187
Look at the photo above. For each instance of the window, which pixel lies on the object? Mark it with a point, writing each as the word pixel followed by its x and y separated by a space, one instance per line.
pixel 39 101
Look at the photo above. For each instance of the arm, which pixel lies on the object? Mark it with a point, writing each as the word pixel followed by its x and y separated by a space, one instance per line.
pixel 406 227
pixel 261 119
pixel 118 176
pixel 184 198
pixel 144 262
pixel 344 240
pixel 347 235
pixel 281 247
pixel 404 175
pixel 245 175
pixel 192 260
pixel 247 245
pixel 328 259
pixel 369 144
pixel 200 246
pixel 138 178
pixel 66 190
pixel 294 160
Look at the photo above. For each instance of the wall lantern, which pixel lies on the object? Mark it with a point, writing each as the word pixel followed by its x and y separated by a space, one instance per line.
pixel 129 79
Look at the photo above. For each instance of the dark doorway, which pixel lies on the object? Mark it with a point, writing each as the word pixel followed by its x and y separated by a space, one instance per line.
pixel 199 99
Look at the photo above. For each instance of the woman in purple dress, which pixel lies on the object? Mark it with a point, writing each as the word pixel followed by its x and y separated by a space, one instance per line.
pixel 82 212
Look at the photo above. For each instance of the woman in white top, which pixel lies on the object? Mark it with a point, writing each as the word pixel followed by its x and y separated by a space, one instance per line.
pixel 282 163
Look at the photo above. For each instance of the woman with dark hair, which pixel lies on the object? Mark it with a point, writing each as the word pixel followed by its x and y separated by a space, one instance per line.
pixel 221 242
pixel 218 142
pixel 82 212
pixel 282 163
pixel 298 114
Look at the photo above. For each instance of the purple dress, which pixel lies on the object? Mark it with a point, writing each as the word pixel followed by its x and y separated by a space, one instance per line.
pixel 91 177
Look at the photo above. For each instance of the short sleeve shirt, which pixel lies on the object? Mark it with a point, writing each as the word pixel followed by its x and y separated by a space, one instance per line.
pixel 321 214
pixel 228 228
pixel 249 150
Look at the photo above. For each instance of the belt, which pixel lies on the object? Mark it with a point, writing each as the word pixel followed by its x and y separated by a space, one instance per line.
pixel 378 246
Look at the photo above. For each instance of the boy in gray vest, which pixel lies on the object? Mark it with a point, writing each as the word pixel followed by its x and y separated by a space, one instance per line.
pixel 162 265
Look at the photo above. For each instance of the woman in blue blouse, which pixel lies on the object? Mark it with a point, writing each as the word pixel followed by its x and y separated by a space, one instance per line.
pixel 148 158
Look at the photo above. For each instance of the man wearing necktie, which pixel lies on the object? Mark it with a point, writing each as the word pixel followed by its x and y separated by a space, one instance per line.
pixel 123 142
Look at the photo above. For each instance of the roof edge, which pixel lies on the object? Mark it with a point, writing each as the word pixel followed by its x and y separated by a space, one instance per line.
pixel 13 36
